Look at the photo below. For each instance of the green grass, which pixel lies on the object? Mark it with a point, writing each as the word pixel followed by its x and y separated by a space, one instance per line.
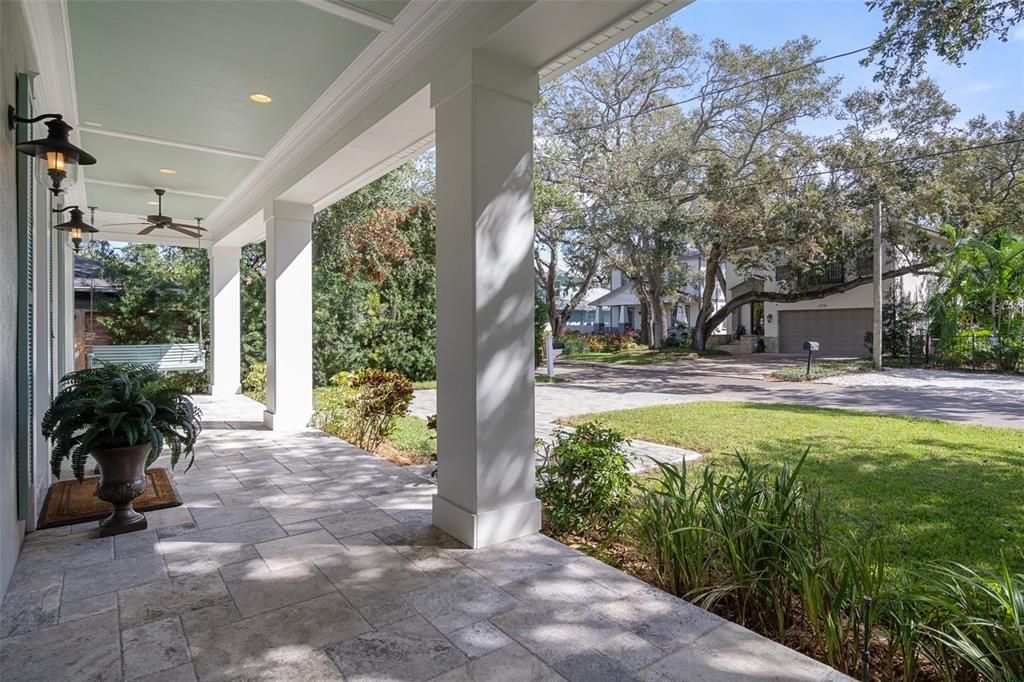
pixel 821 369
pixel 931 490
pixel 413 437
pixel 646 356
pixel 422 385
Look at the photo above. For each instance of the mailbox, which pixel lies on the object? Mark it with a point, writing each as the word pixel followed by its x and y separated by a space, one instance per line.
pixel 810 347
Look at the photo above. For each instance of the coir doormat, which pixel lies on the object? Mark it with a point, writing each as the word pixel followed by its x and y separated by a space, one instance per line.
pixel 73 502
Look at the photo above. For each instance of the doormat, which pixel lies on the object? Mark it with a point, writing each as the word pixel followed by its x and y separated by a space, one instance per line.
pixel 70 502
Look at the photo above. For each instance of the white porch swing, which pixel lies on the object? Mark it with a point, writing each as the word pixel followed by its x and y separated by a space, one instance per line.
pixel 166 357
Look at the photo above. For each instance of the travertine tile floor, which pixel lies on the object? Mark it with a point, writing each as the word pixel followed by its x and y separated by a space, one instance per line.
pixel 299 557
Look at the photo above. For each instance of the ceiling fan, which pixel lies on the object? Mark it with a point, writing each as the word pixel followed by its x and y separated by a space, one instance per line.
pixel 160 221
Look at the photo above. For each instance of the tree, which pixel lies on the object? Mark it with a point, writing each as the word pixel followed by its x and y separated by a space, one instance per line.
pixel 566 258
pixel 600 126
pixel 374 299
pixel 162 292
pixel 950 28
pixel 822 220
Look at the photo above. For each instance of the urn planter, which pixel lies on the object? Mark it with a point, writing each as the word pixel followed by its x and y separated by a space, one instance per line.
pixel 122 479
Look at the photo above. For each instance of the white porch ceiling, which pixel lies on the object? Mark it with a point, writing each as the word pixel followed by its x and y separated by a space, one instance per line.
pixel 166 84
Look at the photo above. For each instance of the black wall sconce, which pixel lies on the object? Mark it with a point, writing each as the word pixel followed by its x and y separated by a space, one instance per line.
pixel 62 157
pixel 76 226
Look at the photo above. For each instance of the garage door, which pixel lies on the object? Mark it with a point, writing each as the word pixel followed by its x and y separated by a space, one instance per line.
pixel 840 332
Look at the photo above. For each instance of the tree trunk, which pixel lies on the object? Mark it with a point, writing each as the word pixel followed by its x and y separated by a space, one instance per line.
pixel 701 330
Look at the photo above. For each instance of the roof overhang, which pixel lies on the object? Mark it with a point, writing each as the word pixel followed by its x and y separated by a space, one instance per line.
pixel 373 117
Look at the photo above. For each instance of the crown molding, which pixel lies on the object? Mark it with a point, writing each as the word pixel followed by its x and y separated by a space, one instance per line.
pixel 620 30
pixel 379 170
pixel 428 36
pixel 364 17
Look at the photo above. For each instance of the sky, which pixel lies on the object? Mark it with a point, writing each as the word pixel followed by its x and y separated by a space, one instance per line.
pixel 991 82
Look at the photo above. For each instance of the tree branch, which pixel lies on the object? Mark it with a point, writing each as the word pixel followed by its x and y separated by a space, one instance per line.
pixel 805 295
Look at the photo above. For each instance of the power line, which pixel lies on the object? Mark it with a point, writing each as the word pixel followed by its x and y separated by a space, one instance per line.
pixel 801 176
pixel 669 105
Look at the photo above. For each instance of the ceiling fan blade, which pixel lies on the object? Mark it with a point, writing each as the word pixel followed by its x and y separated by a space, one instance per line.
pixel 142 222
pixel 194 228
pixel 176 228
pixel 148 229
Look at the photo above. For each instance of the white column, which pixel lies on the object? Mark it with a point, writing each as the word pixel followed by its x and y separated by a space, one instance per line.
pixel 225 320
pixel 485 300
pixel 289 315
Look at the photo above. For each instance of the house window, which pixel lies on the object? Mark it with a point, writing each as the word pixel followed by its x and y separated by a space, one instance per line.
pixel 835 273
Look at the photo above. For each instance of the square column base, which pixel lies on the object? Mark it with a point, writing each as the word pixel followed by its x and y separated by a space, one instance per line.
pixel 224 390
pixel 489 527
pixel 277 421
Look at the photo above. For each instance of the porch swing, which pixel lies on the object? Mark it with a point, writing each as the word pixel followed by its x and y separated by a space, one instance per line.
pixel 166 357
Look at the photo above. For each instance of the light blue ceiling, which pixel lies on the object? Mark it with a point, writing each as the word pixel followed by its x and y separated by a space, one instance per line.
pixel 183 70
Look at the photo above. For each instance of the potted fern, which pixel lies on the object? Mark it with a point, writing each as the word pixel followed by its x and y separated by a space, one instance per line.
pixel 122 415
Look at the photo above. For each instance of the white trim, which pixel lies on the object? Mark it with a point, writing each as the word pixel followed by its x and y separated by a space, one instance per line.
pixel 340 8
pixel 96 130
pixel 128 185
pixel 379 170
pixel 54 87
pixel 417 27
pixel 617 32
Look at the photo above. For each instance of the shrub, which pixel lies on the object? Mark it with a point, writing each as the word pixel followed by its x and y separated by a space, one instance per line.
pixel 751 546
pixel 584 479
pixel 363 410
pixel 254 383
pixel 574 343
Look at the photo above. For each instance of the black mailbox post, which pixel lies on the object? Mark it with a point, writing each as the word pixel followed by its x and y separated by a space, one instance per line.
pixel 810 347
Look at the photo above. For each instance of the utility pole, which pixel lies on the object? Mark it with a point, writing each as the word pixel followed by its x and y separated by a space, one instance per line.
pixel 876 284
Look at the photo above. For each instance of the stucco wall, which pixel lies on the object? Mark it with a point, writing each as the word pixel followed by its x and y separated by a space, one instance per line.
pixel 14 57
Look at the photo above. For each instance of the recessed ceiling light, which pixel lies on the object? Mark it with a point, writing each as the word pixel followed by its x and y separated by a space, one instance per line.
pixel 168 171
pixel 153 203
pixel 260 98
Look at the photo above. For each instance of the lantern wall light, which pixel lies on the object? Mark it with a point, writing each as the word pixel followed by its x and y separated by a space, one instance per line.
pixel 62 158
pixel 75 227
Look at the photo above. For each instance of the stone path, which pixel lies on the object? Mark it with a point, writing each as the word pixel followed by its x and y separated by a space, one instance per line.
pixel 562 402
pixel 301 557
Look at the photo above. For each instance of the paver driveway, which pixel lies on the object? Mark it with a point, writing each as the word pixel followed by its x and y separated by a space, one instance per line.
pixel 967 398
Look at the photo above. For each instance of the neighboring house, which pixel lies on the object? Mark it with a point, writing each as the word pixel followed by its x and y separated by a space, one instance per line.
pixel 838 322
pixel 621 306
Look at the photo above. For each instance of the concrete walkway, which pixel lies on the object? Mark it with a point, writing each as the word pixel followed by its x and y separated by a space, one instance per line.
pixel 300 557
pixel 566 401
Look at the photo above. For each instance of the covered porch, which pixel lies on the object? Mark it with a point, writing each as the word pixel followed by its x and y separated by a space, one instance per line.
pixel 296 555
pixel 301 556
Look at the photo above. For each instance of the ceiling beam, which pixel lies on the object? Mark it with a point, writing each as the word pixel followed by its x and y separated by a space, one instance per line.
pixel 340 8
pixel 126 185
pixel 96 130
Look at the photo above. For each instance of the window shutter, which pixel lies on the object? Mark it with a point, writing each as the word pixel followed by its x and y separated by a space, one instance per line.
pixel 26 302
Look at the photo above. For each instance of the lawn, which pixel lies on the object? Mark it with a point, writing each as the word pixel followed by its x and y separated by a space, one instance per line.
pixel 931 490
pixel 646 356
pixel 821 369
